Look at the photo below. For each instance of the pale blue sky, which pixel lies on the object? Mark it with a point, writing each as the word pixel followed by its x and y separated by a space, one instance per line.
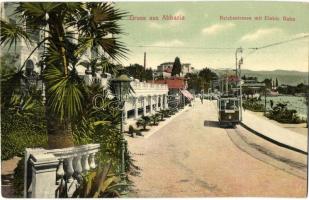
pixel 203 28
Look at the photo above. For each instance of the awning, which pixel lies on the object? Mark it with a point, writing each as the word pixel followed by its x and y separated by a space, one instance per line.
pixel 187 94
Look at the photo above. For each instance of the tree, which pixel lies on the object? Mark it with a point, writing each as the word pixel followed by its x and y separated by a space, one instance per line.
pixel 202 80
pixel 176 70
pixel 277 83
pixel 268 83
pixel 97 28
pixel 137 71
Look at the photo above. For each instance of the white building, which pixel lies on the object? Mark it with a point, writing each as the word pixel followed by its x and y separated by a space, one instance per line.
pixel 165 69
pixel 146 99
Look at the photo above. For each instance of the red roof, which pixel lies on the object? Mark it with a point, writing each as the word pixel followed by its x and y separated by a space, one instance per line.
pixel 173 83
pixel 233 78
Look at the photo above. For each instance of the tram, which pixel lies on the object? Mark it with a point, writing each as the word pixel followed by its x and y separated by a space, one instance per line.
pixel 228 111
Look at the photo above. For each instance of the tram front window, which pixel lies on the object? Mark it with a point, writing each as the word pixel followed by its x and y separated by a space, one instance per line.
pixel 222 105
pixel 230 105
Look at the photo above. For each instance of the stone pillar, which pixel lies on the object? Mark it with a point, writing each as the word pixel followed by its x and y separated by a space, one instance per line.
pixel 144 105
pixel 161 102
pixel 165 102
pixel 157 103
pixel 150 102
pixel 43 183
pixel 136 108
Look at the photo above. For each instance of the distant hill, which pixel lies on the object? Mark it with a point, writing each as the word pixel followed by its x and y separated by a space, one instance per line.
pixel 283 76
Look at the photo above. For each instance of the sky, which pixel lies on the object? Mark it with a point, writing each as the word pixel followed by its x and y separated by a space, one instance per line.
pixel 193 38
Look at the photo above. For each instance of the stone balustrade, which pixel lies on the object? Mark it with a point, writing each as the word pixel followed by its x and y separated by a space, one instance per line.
pixel 48 170
pixel 148 89
pixel 143 85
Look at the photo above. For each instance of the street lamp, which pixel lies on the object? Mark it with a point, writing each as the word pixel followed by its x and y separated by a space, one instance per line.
pixel 121 87
pixel 238 76
pixel 238 50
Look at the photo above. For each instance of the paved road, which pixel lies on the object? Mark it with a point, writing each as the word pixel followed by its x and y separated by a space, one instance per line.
pixel 192 157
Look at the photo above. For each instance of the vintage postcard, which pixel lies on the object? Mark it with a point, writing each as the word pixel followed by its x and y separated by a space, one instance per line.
pixel 154 99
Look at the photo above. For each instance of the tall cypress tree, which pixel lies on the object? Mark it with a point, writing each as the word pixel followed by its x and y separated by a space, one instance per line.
pixel 176 67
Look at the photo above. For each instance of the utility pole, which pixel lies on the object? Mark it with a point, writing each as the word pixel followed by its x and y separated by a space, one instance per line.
pixel 226 84
pixel 307 96
pixel 240 86
pixel 145 61
pixel 265 100
pixel 145 66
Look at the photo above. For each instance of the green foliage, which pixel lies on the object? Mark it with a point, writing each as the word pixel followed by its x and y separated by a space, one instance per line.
pixel 162 114
pixel 65 93
pixel 254 105
pixel 165 112
pixel 155 119
pixel 144 121
pixel 268 83
pixel 11 34
pixel 99 184
pixel 282 114
pixel 18 180
pixel 100 123
pixel 176 70
pixel 20 131
pixel 201 80
pixel 292 90
pixel 138 72
pixel 96 25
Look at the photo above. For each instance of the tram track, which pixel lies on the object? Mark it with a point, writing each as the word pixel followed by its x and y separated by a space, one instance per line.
pixel 291 162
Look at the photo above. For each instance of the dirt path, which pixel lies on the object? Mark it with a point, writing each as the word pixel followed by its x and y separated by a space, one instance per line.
pixel 192 157
pixel 7 176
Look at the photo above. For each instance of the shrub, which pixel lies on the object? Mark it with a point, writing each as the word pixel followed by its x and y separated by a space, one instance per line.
pixel 154 119
pixel 143 121
pixel 18 180
pixel 20 132
pixel 282 114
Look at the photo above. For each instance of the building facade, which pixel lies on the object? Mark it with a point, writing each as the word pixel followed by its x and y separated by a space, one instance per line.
pixel 164 70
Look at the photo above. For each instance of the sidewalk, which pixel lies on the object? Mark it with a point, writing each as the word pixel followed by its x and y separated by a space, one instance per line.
pixel 271 131
pixel 161 124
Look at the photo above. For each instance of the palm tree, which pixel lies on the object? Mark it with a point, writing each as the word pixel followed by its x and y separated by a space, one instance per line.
pixel 96 28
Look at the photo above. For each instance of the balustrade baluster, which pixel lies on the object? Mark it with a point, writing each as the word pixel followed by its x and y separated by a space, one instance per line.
pixel 59 172
pixel 69 169
pixel 85 163
pixel 92 161
pixel 77 164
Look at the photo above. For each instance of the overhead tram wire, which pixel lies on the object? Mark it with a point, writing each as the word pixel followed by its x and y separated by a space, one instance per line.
pixel 220 48
pixel 254 49
pixel 182 47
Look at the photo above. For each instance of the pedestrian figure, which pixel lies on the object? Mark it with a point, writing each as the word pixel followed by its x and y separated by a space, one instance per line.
pixel 201 97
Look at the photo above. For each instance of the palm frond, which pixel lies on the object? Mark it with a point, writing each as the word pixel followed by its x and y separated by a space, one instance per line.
pixel 65 93
pixel 97 24
pixel 11 34
pixel 34 13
